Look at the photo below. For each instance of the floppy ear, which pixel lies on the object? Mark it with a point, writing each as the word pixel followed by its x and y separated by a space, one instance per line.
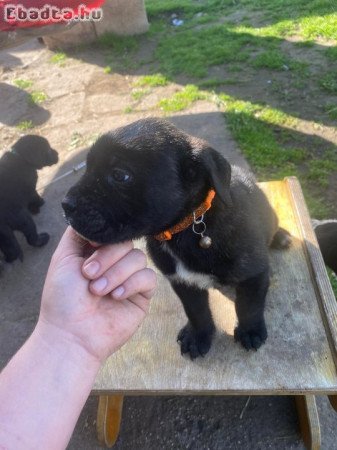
pixel 219 171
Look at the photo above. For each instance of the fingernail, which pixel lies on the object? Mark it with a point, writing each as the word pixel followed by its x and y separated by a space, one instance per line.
pixel 100 284
pixel 118 292
pixel 92 268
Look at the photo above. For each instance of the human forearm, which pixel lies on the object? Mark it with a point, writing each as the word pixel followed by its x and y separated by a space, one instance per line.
pixel 43 390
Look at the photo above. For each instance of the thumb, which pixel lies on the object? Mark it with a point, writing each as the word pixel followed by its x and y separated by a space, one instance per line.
pixel 71 245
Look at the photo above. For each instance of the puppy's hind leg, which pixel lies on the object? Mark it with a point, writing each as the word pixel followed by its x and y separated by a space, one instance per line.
pixel 26 225
pixel 281 239
pixel 9 245
pixel 195 337
pixel 250 299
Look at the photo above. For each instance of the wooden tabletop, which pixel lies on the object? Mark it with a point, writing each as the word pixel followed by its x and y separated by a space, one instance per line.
pixel 301 315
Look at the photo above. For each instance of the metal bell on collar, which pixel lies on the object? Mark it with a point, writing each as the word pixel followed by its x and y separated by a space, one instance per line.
pixel 205 241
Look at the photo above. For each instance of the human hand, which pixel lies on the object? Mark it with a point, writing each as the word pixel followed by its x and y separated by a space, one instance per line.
pixel 101 310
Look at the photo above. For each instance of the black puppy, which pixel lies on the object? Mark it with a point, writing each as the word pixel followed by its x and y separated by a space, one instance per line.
pixel 148 178
pixel 18 196
pixel 326 232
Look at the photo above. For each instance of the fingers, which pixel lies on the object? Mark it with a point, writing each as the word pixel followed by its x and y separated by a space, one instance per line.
pixel 103 258
pixel 118 273
pixel 142 282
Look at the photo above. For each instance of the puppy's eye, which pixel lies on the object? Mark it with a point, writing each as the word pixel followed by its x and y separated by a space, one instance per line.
pixel 119 176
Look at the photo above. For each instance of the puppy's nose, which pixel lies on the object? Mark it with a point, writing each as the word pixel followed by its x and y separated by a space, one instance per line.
pixel 69 204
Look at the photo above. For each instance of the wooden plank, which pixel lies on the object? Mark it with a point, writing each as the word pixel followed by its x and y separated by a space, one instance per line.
pixel 309 421
pixel 325 296
pixel 109 416
pixel 295 359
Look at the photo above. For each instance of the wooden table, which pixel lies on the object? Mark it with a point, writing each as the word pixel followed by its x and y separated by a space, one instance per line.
pixel 299 357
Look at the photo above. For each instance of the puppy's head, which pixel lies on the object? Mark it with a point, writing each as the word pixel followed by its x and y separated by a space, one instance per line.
pixel 142 179
pixel 36 151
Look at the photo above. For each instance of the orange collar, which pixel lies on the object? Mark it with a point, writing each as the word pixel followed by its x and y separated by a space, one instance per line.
pixel 185 223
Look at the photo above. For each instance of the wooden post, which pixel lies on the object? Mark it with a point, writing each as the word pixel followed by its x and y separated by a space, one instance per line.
pixel 109 417
pixel 309 421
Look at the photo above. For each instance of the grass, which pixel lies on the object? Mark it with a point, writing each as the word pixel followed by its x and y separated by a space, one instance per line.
pixel 192 52
pixel 152 80
pixel 329 82
pixel 59 58
pixel 119 45
pixel 331 110
pixel 138 94
pixel 182 99
pixel 333 281
pixel 255 128
pixel 22 84
pixel 37 97
pixel 25 125
pixel 128 110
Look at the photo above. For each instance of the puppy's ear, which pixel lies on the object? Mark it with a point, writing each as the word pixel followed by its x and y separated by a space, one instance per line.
pixel 219 171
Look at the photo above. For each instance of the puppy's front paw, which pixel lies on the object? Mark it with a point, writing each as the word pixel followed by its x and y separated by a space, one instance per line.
pixel 282 239
pixel 194 343
pixel 252 338
pixel 42 240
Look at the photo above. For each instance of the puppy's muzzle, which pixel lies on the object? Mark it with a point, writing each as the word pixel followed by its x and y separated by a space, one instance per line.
pixel 69 205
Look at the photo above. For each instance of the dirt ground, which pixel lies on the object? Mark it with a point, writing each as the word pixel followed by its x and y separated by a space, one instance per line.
pixel 82 102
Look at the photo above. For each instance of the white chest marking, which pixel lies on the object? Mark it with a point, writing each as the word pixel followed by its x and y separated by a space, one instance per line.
pixel 201 280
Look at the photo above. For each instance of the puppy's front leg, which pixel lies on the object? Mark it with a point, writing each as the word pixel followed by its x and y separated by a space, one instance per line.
pixel 26 225
pixel 196 336
pixel 250 299
pixel 35 203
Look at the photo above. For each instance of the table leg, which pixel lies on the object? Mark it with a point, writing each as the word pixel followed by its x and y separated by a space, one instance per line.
pixel 109 416
pixel 333 401
pixel 309 421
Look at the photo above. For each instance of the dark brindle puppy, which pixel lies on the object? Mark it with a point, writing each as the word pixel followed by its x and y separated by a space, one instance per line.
pixel 147 177
pixel 18 196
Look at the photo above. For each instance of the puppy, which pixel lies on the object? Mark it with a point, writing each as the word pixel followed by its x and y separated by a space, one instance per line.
pixel 18 196
pixel 326 232
pixel 151 179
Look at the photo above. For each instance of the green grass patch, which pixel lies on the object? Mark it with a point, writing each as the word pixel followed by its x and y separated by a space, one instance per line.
pixel 277 60
pixel 329 82
pixel 331 110
pixel 320 26
pixel 138 94
pixel 187 7
pixel 23 84
pixel 321 169
pixel 256 128
pixel 25 125
pixel 331 53
pixel 192 52
pixel 128 110
pixel 182 99
pixel 118 44
pixel 37 97
pixel 152 80
pixel 59 58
